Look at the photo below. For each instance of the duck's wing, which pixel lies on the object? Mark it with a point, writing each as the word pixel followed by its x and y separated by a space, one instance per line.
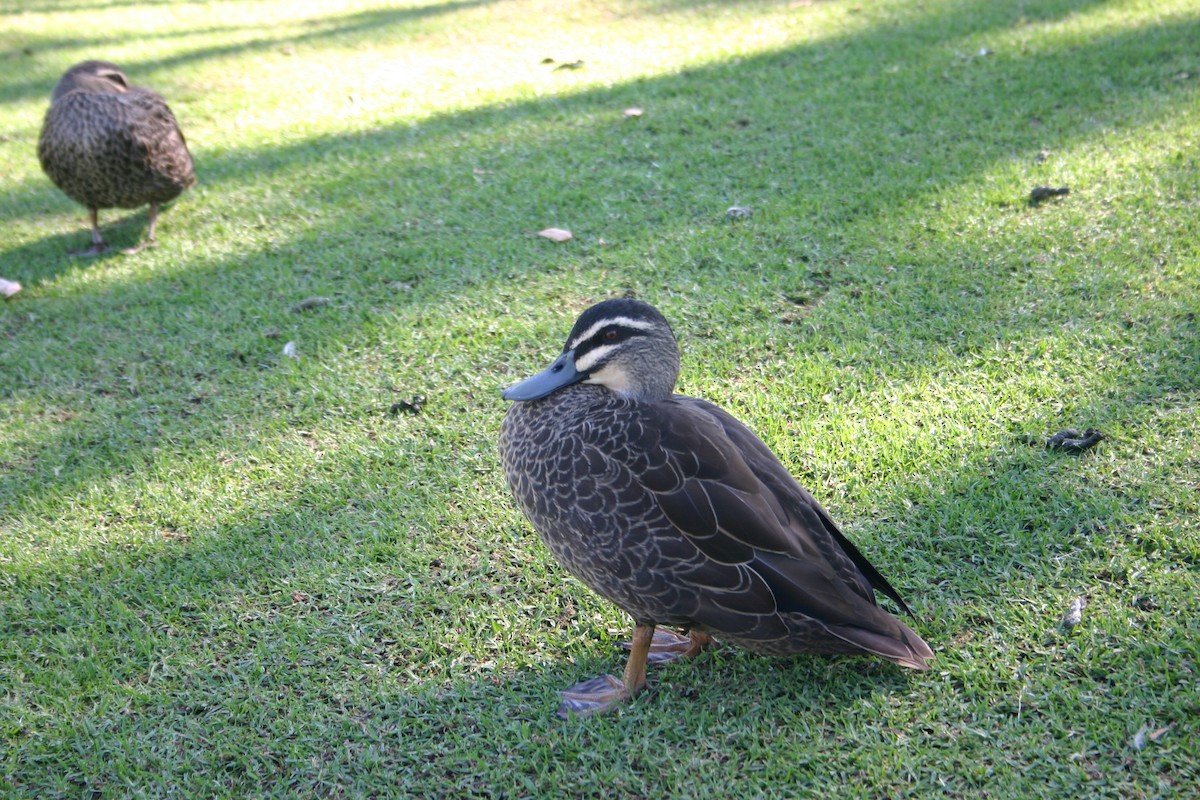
pixel 715 535
pixel 766 547
pixel 797 500
pixel 156 140
pixel 731 498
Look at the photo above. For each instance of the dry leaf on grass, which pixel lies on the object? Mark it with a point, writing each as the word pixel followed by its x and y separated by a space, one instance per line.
pixel 310 303
pixel 1040 194
pixel 1145 734
pixel 408 406
pixel 556 234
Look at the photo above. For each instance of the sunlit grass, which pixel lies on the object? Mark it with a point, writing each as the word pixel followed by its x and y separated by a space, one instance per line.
pixel 226 572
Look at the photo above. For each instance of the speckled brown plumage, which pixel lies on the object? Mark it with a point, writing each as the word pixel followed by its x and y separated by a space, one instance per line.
pixel 109 144
pixel 675 511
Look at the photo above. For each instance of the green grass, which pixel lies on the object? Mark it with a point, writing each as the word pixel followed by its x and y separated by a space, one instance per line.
pixel 228 573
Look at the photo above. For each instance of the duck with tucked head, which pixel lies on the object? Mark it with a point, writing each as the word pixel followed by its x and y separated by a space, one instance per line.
pixel 680 515
pixel 109 144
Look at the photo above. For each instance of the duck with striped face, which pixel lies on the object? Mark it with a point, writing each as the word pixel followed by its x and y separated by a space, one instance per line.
pixel 623 352
pixel 677 513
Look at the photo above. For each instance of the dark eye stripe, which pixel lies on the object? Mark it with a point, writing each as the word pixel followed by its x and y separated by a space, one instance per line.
pixel 631 325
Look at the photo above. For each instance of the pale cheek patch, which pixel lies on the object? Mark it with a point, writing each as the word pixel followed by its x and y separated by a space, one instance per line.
pixel 611 377
pixel 594 357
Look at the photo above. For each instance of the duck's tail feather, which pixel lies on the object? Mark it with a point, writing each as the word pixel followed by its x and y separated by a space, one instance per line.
pixel 906 649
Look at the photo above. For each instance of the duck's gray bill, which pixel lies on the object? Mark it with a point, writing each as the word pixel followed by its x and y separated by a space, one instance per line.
pixel 559 374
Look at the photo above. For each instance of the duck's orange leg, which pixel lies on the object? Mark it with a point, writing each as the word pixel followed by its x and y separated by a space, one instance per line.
pixel 667 645
pixel 605 692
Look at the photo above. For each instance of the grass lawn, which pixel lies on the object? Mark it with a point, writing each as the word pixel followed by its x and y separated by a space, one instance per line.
pixel 228 572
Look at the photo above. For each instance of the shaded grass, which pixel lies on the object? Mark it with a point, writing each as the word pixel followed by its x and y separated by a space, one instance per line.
pixel 226 572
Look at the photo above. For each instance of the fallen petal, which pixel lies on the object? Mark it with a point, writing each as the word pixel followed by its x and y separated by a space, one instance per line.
pixel 556 234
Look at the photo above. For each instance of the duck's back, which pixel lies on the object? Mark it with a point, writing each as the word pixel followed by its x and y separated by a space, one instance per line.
pixel 122 150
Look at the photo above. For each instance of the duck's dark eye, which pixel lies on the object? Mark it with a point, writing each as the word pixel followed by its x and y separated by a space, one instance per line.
pixel 610 335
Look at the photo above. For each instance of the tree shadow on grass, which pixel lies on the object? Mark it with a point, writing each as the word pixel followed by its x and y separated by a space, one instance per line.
pixel 121 228
pixel 254 642
pixel 405 205
pixel 253 645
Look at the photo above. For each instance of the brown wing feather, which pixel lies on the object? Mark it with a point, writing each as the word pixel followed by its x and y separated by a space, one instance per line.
pixel 795 497
pixel 730 497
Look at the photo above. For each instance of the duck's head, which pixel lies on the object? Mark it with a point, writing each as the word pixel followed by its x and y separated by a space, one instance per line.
pixel 94 76
pixel 624 345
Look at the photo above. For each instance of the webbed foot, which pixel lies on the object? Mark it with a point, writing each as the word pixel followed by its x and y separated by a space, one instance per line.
pixel 592 697
pixel 129 251
pixel 606 692
pixel 97 248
